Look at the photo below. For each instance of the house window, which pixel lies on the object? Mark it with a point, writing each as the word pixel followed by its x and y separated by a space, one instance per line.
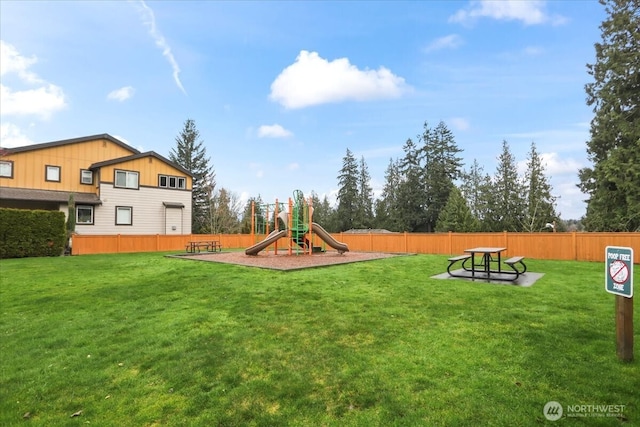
pixel 124 215
pixel 86 176
pixel 166 181
pixel 84 214
pixel 52 173
pixel 126 179
pixel 6 169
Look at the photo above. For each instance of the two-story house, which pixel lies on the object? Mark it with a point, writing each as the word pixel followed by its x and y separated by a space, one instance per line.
pixel 116 188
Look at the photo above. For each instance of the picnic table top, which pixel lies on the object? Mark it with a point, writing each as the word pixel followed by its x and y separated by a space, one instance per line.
pixel 485 249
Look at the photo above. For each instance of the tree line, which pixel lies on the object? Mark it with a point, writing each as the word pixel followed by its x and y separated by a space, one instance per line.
pixel 428 190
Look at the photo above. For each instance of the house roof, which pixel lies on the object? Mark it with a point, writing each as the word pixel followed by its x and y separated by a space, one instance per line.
pixel 48 196
pixel 139 156
pixel 69 141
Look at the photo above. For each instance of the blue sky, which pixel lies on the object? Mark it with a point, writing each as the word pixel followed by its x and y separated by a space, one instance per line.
pixel 280 90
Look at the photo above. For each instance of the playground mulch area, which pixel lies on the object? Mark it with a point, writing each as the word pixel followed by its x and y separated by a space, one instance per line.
pixel 284 261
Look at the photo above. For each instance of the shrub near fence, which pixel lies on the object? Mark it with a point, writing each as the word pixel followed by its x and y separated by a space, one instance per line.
pixel 560 246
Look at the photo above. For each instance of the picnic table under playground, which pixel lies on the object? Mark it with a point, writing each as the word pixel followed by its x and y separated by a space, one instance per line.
pixel 486 263
pixel 207 245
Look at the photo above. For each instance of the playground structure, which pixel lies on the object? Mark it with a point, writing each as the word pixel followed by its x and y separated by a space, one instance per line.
pixel 298 228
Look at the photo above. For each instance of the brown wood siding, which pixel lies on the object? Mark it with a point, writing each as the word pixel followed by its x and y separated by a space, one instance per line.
pixel 557 246
pixel 29 166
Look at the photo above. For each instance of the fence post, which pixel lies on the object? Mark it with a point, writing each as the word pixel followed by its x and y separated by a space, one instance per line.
pixel 574 240
pixel 406 245
pixel 450 242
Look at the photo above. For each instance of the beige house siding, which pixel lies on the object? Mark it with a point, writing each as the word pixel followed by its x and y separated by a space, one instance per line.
pixel 149 214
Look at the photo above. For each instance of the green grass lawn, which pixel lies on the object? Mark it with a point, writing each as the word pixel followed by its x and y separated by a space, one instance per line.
pixel 144 340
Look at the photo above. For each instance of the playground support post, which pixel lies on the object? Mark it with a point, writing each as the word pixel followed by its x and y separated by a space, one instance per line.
pixel 290 220
pixel 276 226
pixel 253 220
pixel 310 228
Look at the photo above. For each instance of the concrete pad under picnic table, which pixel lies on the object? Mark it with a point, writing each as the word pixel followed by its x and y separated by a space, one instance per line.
pixel 525 280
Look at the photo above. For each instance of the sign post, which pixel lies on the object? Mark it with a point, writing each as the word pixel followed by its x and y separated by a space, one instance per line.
pixel 619 281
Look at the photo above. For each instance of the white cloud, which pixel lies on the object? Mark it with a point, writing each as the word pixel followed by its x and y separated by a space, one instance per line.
pixel 529 12
pixel 556 165
pixel 293 166
pixel 570 204
pixel 11 136
pixel 459 123
pixel 121 94
pixel 452 41
pixel 149 20
pixel 40 101
pixel 312 80
pixel 12 62
pixel 273 131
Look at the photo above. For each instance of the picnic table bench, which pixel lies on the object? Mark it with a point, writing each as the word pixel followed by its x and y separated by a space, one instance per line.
pixel 514 261
pixel 453 260
pixel 207 245
pixel 483 269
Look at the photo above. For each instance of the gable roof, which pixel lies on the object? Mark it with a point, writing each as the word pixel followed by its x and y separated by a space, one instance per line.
pixel 139 156
pixel 70 141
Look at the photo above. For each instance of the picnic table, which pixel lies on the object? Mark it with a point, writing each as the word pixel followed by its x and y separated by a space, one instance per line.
pixel 207 245
pixel 488 257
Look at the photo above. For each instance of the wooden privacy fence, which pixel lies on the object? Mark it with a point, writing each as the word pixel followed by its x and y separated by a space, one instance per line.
pixel 559 246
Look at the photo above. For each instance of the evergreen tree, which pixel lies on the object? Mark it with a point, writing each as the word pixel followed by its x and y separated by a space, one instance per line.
pixel 456 215
pixel 476 189
pixel 386 207
pixel 347 193
pixel 191 154
pixel 613 183
pixel 441 167
pixel 411 195
pixel 323 213
pixel 226 208
pixel 364 207
pixel 259 219
pixel 539 202
pixel 506 203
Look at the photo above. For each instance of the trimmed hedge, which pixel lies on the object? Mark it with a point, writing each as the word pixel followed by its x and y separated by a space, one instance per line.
pixel 31 233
